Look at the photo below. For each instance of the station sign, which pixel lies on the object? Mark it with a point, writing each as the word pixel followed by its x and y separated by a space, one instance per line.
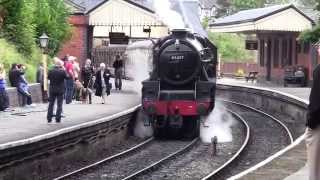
pixel 118 38
pixel 251 45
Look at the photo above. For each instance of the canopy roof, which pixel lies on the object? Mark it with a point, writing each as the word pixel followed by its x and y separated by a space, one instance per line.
pixel 274 18
pixel 122 13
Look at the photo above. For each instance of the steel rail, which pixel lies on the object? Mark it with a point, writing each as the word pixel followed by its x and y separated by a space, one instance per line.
pixel 73 173
pixel 265 114
pixel 158 163
pixel 237 154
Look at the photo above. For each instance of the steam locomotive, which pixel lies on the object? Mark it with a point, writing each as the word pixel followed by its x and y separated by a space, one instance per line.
pixel 181 86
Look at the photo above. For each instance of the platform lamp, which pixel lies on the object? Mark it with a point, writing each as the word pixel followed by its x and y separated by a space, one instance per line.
pixel 44 40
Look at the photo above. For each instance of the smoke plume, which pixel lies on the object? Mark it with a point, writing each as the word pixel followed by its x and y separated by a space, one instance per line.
pixel 218 124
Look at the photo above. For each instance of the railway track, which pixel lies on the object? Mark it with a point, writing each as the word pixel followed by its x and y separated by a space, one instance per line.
pixel 132 162
pixel 268 135
pixel 199 162
pixel 155 159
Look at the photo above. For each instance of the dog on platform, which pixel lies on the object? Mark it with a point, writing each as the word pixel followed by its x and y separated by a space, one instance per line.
pixel 82 94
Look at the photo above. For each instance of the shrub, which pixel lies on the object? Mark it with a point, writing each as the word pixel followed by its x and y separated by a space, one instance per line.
pixel 10 55
pixel 231 47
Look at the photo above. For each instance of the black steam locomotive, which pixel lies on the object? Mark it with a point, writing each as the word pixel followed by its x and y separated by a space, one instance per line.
pixel 181 87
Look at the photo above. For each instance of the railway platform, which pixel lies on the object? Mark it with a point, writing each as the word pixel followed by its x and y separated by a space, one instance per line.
pixel 25 123
pixel 289 164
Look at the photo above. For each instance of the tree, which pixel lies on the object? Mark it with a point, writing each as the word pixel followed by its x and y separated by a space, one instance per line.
pixel 223 7
pixel 25 20
pixel 18 24
pixel 251 4
pixel 52 18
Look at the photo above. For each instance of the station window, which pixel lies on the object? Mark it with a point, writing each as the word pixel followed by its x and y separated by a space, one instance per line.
pixel 276 54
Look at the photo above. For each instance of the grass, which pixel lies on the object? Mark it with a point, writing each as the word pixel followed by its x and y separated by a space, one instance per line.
pixel 9 55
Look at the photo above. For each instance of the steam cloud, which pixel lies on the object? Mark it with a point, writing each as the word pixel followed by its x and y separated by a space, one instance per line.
pixel 168 16
pixel 218 124
pixel 138 68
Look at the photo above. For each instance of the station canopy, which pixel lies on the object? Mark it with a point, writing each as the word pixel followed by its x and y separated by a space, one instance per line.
pixel 285 18
pixel 122 13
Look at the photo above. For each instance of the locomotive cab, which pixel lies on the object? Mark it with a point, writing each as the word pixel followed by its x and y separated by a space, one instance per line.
pixel 179 91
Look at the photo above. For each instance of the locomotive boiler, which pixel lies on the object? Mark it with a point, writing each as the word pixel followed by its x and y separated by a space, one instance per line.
pixel 181 87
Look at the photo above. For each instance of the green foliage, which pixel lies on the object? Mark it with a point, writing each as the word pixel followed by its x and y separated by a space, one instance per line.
pixel 231 47
pixel 205 22
pixel 10 55
pixel 310 36
pixel 52 18
pixel 251 4
pixel 22 22
pixel 18 25
pixel 25 20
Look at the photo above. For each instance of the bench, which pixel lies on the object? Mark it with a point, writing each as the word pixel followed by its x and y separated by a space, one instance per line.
pixel 16 100
pixel 252 76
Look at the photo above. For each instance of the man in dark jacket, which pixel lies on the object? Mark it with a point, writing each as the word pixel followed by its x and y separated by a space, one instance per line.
pixel 56 76
pixel 117 65
pixel 313 131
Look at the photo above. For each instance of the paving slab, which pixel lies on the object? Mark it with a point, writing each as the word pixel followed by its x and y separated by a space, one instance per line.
pixel 292 164
pixel 24 123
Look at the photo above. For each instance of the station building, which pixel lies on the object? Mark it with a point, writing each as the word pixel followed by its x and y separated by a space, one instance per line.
pixel 275 30
pixel 94 20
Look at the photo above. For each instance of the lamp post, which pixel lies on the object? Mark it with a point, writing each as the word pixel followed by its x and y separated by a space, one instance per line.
pixel 44 39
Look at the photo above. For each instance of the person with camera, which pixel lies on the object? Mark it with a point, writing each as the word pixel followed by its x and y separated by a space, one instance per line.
pixel 17 79
pixel 56 76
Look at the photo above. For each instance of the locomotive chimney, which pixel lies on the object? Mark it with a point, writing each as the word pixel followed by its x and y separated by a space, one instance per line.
pixel 180 33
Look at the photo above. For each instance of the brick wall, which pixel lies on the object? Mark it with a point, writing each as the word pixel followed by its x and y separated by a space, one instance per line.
pixel 35 91
pixel 78 44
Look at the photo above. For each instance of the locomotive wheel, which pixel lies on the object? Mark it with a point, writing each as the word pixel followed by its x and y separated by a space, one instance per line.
pixel 191 127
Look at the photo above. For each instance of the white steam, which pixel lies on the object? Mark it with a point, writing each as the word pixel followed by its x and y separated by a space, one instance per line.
pixel 218 124
pixel 140 130
pixel 138 67
pixel 139 63
pixel 167 15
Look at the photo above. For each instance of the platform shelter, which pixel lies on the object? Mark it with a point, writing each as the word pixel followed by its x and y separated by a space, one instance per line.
pixel 276 29
pixel 94 20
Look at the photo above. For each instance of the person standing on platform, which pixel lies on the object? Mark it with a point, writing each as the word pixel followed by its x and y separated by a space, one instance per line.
pixel 118 65
pixel 313 128
pixel 69 83
pixel 102 84
pixel 4 98
pixel 40 80
pixel 56 76
pixel 87 73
